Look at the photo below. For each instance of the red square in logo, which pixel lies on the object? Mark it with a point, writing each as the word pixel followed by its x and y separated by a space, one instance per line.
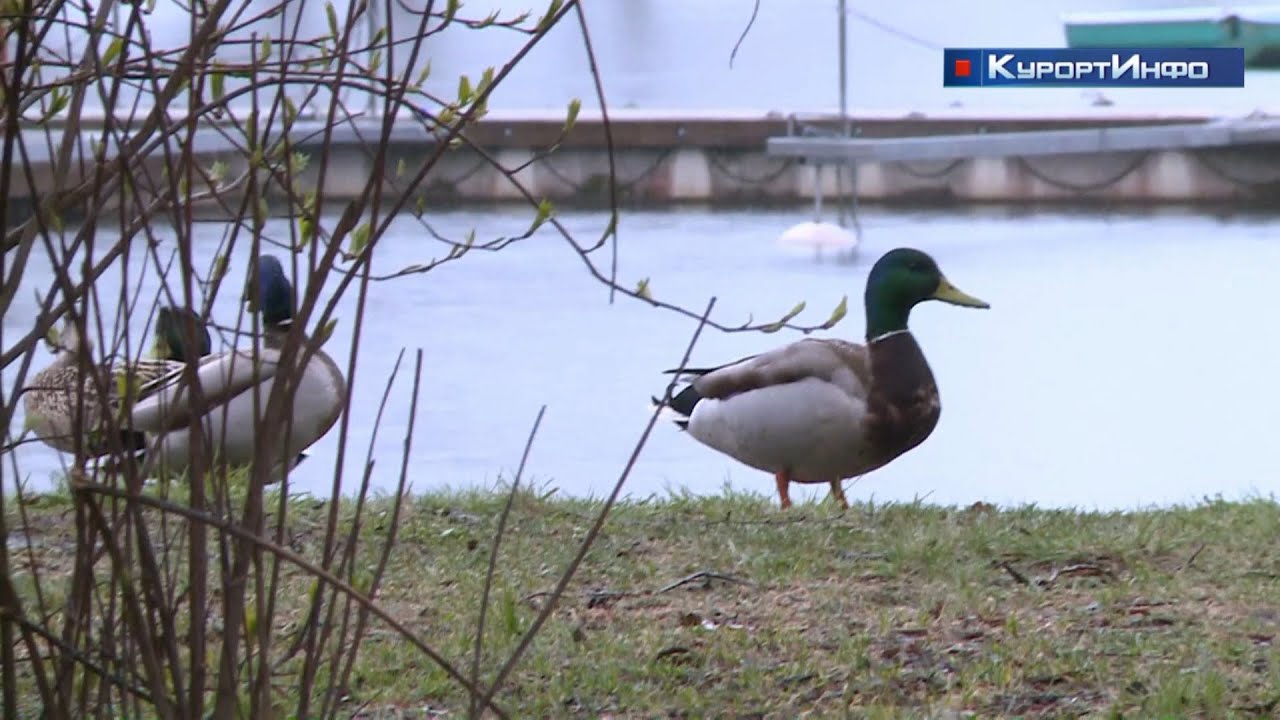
pixel 962 68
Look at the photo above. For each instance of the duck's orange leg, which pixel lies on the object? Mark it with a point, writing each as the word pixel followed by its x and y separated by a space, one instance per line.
pixel 837 491
pixel 784 480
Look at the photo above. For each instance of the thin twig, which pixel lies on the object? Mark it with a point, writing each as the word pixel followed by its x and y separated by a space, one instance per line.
pixel 1013 573
pixel 755 9
pixel 356 524
pixel 134 614
pixel 320 573
pixel 1088 569
pixel 585 546
pixel 493 558
pixel 1193 557
pixel 79 656
pixel 611 231
pixel 704 575
pixel 393 523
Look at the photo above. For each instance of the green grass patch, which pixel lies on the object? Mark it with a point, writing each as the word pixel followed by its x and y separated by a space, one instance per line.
pixel 730 607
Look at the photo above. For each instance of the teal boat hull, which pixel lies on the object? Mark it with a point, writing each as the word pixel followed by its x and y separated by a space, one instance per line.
pixel 1261 42
pixel 1257 32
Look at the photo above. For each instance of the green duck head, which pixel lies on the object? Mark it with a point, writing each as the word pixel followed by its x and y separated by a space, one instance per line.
pixel 902 279
pixel 171 328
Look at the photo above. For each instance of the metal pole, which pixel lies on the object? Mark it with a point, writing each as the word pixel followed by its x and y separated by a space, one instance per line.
pixel 844 108
pixel 842 23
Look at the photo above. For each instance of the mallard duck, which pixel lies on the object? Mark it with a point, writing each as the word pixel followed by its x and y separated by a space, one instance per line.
pixel 52 399
pixel 237 385
pixel 825 410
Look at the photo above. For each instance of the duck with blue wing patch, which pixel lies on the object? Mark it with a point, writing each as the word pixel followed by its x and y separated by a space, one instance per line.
pixel 825 410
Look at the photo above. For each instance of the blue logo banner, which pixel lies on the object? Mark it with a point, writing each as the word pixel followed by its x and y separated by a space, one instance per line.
pixel 1093 67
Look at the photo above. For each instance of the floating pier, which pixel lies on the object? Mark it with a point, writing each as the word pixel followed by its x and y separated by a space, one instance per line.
pixel 1210 160
pixel 737 158
pixel 1187 136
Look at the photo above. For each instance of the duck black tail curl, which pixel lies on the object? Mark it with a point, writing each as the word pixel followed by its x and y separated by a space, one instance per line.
pixel 680 409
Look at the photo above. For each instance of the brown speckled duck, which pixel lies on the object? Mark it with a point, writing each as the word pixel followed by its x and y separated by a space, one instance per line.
pixel 825 410
pixel 55 395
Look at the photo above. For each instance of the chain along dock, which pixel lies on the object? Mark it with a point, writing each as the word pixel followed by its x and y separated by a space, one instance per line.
pixel 746 158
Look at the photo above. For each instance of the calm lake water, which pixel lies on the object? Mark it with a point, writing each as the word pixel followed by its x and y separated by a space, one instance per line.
pixel 674 55
pixel 1127 359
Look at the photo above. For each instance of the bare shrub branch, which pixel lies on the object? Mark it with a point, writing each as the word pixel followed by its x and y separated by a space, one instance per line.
pixel 157 164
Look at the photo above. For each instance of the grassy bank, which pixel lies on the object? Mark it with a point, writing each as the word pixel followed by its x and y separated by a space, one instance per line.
pixel 730 607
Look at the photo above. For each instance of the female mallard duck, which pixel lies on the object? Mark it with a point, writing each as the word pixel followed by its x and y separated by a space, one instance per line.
pixel 824 410
pixel 236 386
pixel 52 400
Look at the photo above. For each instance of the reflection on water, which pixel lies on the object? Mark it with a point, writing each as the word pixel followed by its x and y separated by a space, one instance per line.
pixel 1127 359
